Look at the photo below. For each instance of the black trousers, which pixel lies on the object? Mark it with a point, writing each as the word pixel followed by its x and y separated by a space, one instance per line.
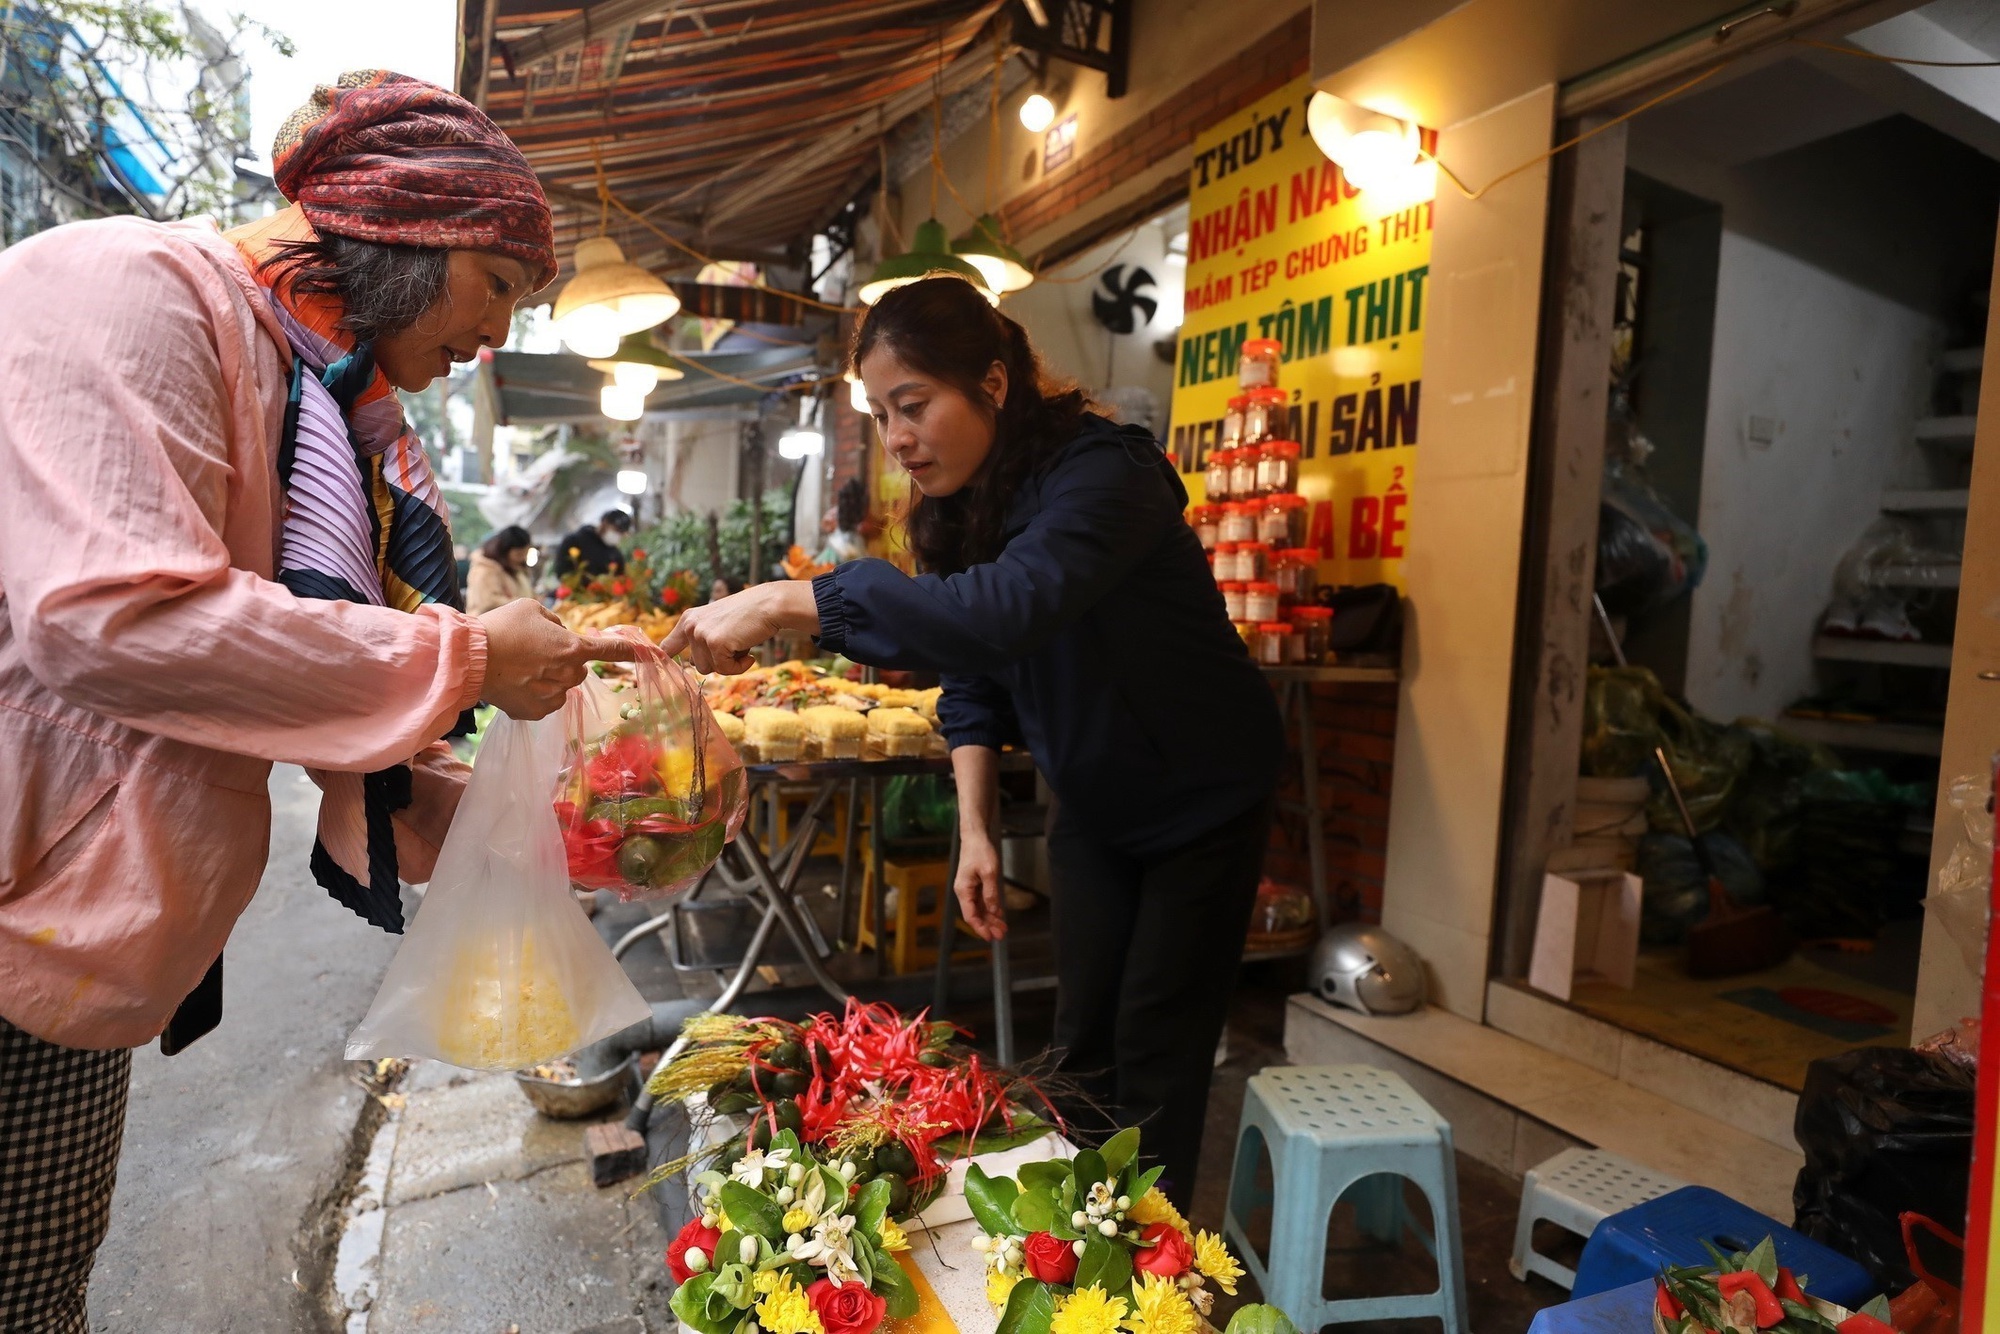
pixel 1147 951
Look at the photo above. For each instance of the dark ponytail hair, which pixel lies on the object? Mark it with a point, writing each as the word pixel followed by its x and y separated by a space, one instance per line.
pixel 942 326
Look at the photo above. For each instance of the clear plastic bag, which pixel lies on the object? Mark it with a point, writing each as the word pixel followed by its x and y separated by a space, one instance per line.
pixel 1964 883
pixel 500 969
pixel 651 790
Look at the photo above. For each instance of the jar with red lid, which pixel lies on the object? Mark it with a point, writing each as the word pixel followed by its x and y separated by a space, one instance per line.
pixel 1278 467
pixel 1281 520
pixel 1295 572
pixel 1215 474
pixel 1316 624
pixel 1237 522
pixel 1253 561
pixel 1257 365
pixel 1232 423
pixel 1243 472
pixel 1233 599
pixel 1271 637
pixel 1264 414
pixel 1260 601
pixel 1205 520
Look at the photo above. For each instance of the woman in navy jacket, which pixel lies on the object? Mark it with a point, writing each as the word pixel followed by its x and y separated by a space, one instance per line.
pixel 1068 607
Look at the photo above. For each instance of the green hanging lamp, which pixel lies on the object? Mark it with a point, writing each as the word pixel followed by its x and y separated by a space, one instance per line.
pixel 999 263
pixel 928 253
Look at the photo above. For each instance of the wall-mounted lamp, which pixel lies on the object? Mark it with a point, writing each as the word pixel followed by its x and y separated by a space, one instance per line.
pixel 1037 113
pixel 1371 149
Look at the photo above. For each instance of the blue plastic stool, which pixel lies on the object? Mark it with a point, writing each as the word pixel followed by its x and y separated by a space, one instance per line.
pixel 1636 1244
pixel 1626 1310
pixel 1329 1127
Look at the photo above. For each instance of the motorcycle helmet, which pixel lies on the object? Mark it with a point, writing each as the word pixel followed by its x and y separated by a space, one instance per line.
pixel 1365 968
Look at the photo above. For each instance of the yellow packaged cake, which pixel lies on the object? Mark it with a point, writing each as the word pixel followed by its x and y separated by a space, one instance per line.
pixel 897 732
pixel 771 736
pixel 832 732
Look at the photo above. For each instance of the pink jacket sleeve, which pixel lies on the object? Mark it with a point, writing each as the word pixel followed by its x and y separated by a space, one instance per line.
pixel 136 437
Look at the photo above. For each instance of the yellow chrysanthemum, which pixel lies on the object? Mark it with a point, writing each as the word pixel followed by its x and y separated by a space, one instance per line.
pixel 1088 1311
pixel 798 1218
pixel 785 1310
pixel 1215 1262
pixel 1153 1207
pixel 1160 1307
pixel 893 1236
pixel 766 1281
pixel 999 1287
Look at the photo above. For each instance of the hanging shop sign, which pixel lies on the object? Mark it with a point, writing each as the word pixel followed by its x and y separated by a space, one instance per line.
pixel 1281 246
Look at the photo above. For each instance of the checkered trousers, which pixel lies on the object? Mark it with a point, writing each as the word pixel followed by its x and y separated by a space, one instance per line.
pixel 62 1119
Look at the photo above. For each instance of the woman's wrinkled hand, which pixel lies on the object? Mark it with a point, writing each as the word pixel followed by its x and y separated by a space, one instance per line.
pixel 718 636
pixel 533 660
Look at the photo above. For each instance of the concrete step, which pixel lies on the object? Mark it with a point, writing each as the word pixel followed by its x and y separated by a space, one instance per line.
pixel 1512 1103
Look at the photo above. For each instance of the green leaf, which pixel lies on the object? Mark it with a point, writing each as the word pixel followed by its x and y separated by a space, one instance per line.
pixel 1030 1307
pixel 1034 1210
pixel 1088 1169
pixel 691 1303
pixel 1764 1259
pixel 1059 1226
pixel 1256 1319
pixel 1120 1150
pixel 1106 1264
pixel 1027 1129
pixel 992 1202
pixel 870 1206
pixel 1145 1182
pixel 1044 1175
pixel 894 1287
pixel 751 1212
pixel 1878 1307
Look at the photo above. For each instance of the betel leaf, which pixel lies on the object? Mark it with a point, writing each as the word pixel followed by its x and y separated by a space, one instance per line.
pixel 1764 1260
pixel 1034 1210
pixel 1120 1149
pixel 870 1205
pixel 1256 1319
pixel 1145 1181
pixel 751 1212
pixel 1061 1227
pixel 1030 1308
pixel 894 1287
pixel 1043 1175
pixel 1105 1264
pixel 690 1303
pixel 991 1200
pixel 1089 1169
pixel 1878 1307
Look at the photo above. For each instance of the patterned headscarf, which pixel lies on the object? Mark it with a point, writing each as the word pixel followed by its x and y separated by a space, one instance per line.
pixel 383 157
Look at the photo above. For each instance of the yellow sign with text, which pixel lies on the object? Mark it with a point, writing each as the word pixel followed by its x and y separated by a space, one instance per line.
pixel 1282 246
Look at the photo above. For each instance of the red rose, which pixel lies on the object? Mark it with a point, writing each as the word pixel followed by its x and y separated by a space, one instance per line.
pixel 561 593
pixel 1170 1254
pixel 1050 1258
pixel 670 597
pixel 693 1237
pixel 638 554
pixel 846 1308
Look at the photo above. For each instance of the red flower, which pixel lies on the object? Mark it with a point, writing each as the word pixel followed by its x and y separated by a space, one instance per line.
pixel 1170 1254
pixel 670 597
pixel 562 591
pixel 846 1308
pixel 1668 1305
pixel 637 554
pixel 592 850
pixel 1788 1288
pixel 622 767
pixel 1769 1312
pixel 1862 1323
pixel 693 1237
pixel 1050 1258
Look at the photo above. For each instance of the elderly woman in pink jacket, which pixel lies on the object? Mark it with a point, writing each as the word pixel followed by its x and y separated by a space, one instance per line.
pixel 264 574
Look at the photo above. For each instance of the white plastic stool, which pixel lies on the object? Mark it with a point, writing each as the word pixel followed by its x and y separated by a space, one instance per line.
pixel 1577 1189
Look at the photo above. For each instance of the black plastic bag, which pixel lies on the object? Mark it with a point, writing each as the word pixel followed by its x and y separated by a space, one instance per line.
pixel 1884 1130
pixel 1634 568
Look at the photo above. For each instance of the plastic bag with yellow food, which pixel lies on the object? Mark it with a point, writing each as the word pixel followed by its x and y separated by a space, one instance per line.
pixel 651 790
pixel 501 969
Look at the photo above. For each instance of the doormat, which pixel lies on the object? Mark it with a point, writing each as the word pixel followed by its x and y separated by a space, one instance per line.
pixel 1837 1014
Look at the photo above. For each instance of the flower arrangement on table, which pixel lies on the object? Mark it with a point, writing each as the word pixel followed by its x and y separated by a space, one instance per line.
pixel 639 594
pixel 787 1244
pixel 896 1098
pixel 1748 1292
pixel 1089 1245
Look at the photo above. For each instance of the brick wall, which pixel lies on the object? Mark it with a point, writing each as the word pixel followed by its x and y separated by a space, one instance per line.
pixel 1270 64
pixel 853 436
pixel 1355 730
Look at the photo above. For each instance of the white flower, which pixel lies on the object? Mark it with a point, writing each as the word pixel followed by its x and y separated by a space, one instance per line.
pixel 831 1247
pixel 750 1168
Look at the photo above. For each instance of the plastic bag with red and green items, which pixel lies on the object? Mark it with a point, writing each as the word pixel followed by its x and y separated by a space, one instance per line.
pixel 651 790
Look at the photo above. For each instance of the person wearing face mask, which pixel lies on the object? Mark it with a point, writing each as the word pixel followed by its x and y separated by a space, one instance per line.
pixel 1067 605
pixel 593 549
pixel 266 574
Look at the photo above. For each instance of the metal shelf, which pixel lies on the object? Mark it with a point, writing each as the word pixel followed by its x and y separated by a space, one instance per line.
pixel 1954 432
pixel 1925 502
pixel 1842 648
pixel 1887 738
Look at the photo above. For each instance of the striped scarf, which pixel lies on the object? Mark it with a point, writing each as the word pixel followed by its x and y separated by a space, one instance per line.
pixel 364 521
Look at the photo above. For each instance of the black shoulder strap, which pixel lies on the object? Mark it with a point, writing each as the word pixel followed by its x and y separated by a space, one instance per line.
pixel 288 439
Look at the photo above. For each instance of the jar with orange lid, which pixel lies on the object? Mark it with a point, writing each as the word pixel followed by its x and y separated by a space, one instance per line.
pixel 1253 561
pixel 1232 423
pixel 1205 520
pixel 1271 637
pixel 1316 625
pixel 1215 474
pixel 1257 365
pixel 1264 414
pixel 1243 472
pixel 1281 520
pixel 1295 571
pixel 1260 601
pixel 1237 522
pixel 1233 600
pixel 1278 467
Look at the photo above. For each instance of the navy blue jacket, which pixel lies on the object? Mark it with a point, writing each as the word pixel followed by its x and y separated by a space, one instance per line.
pixel 1097 637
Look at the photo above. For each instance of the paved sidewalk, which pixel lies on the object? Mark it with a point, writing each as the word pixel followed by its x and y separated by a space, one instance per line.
pixel 475 1215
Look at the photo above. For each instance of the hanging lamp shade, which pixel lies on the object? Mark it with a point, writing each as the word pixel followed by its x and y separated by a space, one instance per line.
pixel 999 263
pixel 609 298
pixel 928 253
pixel 636 356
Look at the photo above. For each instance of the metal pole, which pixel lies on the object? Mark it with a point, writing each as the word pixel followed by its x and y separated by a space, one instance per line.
pixel 1301 693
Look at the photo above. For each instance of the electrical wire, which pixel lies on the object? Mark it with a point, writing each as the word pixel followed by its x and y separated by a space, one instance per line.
pixel 1896 60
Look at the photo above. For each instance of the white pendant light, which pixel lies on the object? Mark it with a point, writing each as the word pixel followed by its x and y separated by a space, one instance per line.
pixel 609 298
pixel 857 394
pixel 1372 149
pixel 1037 113
pixel 620 403
pixel 636 376
pixel 800 442
pixel 632 481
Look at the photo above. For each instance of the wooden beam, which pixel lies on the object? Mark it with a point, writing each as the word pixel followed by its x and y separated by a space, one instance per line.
pixel 597 18
pixel 1559 551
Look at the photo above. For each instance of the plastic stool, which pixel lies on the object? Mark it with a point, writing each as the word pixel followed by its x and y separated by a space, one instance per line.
pixel 1328 1127
pixel 1637 1243
pixel 1577 1189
